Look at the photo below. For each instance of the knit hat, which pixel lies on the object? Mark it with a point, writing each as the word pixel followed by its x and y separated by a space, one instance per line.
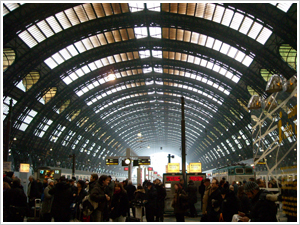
pixel 250 186
pixel 49 181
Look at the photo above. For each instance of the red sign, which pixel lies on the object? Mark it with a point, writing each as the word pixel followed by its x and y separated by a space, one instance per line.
pixel 173 178
pixel 196 178
pixel 155 172
pixel 125 168
pixel 150 168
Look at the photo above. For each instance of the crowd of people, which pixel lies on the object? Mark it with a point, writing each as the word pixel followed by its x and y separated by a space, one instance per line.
pixel 62 200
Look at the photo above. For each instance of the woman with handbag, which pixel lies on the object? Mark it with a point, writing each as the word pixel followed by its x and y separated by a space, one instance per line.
pixel 180 203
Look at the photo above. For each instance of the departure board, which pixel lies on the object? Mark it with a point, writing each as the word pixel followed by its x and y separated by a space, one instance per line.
pixel 173 178
pixel 110 161
pixel 196 178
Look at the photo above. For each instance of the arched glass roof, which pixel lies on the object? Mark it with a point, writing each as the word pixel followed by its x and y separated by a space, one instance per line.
pixel 107 71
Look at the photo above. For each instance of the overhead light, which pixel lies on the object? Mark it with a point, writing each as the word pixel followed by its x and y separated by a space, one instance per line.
pixel 239 137
pixel 139 134
pixel 254 102
pixel 15 138
pixel 148 146
pixel 270 103
pixel 290 85
pixel 111 76
pixel 50 149
pixel 274 84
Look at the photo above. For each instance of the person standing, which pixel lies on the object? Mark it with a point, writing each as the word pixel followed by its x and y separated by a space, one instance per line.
pixel 244 201
pixel 150 202
pixel 192 197
pixel 32 191
pixel 47 203
pixel 62 199
pixel 81 193
pixel 130 192
pixel 230 204
pixel 214 202
pixel 205 198
pixel 100 195
pixel 93 181
pixel 201 191
pixel 161 195
pixel 178 203
pixel 119 203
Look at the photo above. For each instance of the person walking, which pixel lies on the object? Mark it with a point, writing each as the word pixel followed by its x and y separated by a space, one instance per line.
pixel 180 202
pixel 47 203
pixel 119 203
pixel 99 194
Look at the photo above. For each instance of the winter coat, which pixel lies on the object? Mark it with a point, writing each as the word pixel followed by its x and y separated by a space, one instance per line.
pixel 34 190
pixel 192 193
pixel 179 201
pixel 230 206
pixel 139 196
pixel 130 191
pixel 161 195
pixel 48 200
pixel 62 200
pixel 202 189
pixel 119 205
pixel 262 210
pixel 78 200
pixel 151 198
pixel 214 205
pixel 205 198
pixel 98 195
pixel 244 203
pixel 92 185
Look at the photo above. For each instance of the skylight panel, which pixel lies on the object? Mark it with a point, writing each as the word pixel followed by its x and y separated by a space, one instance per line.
pixel 73 76
pixel 240 56
pixel 226 92
pixel 135 7
pixel 105 61
pixel 155 32
pixel 61 17
pixel 216 68
pixel 284 6
pixel 80 47
pixel 65 54
pixel 203 62
pixel 158 70
pixel 209 42
pixel 98 63
pixel 190 58
pixel 144 54
pixel 28 39
pixel 264 35
pixel 232 52
pixel 79 93
pixel 197 60
pixel 256 28
pixel 87 43
pixel 72 16
pixel 218 14
pixel 58 58
pixel 229 75
pixel 94 40
pixel 54 24
pixel 209 65
pixel 140 32
pixel 51 63
pixel 157 54
pixel 235 79
pixel 67 80
pixel 72 50
pixel 224 49
pixel 217 45
pixel 45 28
pixel 79 72
pixel 236 21
pixel 227 17
pixel 247 61
pixel 147 70
pixel 209 11
pixel 81 13
pixel 246 25
pixel 86 69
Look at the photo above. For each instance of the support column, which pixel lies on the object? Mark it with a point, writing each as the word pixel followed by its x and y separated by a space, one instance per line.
pixel 129 166
pixel 139 175
pixel 183 155
pixel 6 141
pixel 145 172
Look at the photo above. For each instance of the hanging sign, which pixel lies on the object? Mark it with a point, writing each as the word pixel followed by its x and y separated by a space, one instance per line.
pixel 195 168
pixel 173 167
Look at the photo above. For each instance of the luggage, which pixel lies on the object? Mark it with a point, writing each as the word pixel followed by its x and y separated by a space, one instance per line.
pixel 132 219
pixel 37 208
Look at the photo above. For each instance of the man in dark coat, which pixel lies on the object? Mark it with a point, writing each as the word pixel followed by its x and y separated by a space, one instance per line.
pixel 201 191
pixel 15 202
pixel 192 197
pixel 161 195
pixel 151 202
pixel 214 202
pixel 32 191
pixel 261 209
pixel 63 197
pixel 230 204
pixel 93 181
pixel 130 193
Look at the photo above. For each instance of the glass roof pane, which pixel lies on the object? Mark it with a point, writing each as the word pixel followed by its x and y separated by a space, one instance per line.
pixel 28 39
pixel 140 32
pixel 45 28
pixel 264 35
pixel 135 7
pixel 256 28
pixel 218 13
pixel 72 16
pixel 155 6
pixel 80 47
pixel 72 50
pixel 58 58
pixel 54 24
pixel 155 32
pixel 227 17
pixel 50 62
pixel 89 11
pixel 63 20
pixel 284 6
pixel 81 13
pixel 236 21
pixel 246 25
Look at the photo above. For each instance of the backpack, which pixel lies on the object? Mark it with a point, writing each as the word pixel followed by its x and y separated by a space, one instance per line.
pixel 88 206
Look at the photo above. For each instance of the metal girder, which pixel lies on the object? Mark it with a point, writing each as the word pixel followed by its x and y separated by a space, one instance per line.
pixel 283 25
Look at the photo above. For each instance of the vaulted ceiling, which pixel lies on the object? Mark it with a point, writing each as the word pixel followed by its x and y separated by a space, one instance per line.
pixel 87 78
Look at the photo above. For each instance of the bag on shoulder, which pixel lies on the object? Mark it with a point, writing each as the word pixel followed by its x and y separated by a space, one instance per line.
pixel 88 206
